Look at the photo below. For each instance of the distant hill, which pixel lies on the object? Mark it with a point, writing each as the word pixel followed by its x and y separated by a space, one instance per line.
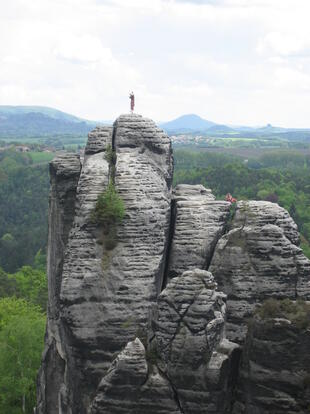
pixel 45 110
pixel 220 129
pixel 193 124
pixel 31 121
pixel 271 129
pixel 187 123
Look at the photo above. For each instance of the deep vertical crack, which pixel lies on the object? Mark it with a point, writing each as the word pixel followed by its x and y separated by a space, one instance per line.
pixel 225 229
pixel 114 136
pixel 167 253
pixel 175 392
pixel 112 157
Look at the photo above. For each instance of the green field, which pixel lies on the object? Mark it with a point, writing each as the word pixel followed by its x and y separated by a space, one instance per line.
pixel 39 157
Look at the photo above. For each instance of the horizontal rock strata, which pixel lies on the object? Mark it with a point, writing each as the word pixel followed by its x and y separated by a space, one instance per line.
pixel 275 369
pixel 257 259
pixel 98 140
pixel 64 176
pixel 188 325
pixel 133 387
pixel 199 221
pixel 106 292
pixel 136 323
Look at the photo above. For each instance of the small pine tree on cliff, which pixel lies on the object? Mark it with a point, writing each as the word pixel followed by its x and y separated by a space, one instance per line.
pixel 109 208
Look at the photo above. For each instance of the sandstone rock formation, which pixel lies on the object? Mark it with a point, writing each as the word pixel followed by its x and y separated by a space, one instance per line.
pixel 189 339
pixel 188 363
pixel 131 386
pixel 257 259
pixel 137 324
pixel 104 295
pixel 199 221
pixel 275 370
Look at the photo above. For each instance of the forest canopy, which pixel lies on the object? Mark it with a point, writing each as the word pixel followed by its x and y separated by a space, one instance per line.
pixel 24 188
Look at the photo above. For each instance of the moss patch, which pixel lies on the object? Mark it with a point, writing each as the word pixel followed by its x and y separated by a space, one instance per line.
pixel 297 312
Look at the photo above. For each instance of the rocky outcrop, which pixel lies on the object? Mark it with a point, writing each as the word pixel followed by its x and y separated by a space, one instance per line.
pixel 187 364
pixel 190 343
pixel 64 176
pixel 257 259
pixel 199 221
pixel 98 140
pixel 137 316
pixel 132 386
pixel 105 293
pixel 275 369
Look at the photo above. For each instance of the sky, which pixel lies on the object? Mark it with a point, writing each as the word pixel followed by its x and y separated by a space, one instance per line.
pixel 236 62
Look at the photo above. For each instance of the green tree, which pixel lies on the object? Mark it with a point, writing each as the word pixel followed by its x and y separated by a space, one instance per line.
pixel 7 285
pixel 28 283
pixel 31 284
pixel 109 208
pixel 40 260
pixel 22 327
pixel 23 204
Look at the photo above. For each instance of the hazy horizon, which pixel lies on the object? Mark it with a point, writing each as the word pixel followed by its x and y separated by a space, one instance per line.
pixel 155 120
pixel 233 62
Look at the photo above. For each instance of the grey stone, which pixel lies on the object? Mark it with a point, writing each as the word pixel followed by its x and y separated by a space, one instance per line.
pixel 99 139
pixel 275 369
pixel 188 325
pixel 105 294
pixel 64 176
pixel 200 221
pixel 157 280
pixel 258 259
pixel 130 386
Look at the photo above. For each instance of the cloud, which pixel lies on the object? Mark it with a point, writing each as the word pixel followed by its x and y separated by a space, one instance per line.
pixel 213 2
pixel 284 44
pixel 233 61
pixel 85 48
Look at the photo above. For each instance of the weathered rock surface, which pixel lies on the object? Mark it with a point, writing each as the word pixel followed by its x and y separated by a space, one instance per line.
pixel 105 294
pixel 64 176
pixel 275 369
pixel 199 221
pixel 188 325
pixel 257 259
pixel 157 280
pixel 98 140
pixel 187 367
pixel 131 386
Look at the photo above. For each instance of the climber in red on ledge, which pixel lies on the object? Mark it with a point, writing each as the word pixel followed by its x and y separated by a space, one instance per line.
pixel 230 198
pixel 132 101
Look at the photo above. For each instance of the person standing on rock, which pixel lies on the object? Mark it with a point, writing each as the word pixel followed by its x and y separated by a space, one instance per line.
pixel 230 198
pixel 132 101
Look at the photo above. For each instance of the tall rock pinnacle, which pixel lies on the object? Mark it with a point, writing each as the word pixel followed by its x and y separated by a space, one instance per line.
pixel 99 299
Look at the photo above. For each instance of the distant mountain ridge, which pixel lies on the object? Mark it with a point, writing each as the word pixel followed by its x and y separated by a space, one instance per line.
pixel 192 123
pixel 187 123
pixel 45 110
pixel 32 121
pixel 40 121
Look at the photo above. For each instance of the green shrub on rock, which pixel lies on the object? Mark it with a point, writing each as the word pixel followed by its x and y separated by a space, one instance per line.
pixel 298 312
pixel 109 208
pixel 110 155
